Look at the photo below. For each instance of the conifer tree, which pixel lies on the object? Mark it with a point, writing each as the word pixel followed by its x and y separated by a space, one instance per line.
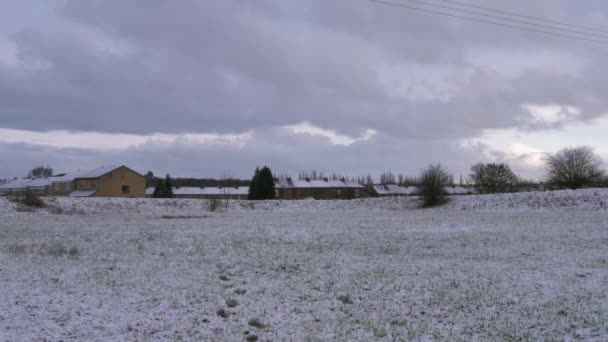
pixel 159 190
pixel 262 185
pixel 168 188
pixel 254 185
pixel 266 184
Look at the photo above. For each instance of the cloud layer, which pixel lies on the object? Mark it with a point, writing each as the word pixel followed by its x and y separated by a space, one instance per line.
pixel 375 87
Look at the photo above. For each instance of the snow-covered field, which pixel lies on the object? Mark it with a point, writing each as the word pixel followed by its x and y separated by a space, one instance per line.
pixel 530 266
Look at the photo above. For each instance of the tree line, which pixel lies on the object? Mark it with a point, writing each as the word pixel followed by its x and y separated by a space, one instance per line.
pixel 570 168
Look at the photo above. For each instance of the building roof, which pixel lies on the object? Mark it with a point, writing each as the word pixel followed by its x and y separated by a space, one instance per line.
pixel 242 190
pixel 94 173
pixel 18 184
pixel 98 172
pixel 460 190
pixel 83 193
pixel 316 184
pixel 394 189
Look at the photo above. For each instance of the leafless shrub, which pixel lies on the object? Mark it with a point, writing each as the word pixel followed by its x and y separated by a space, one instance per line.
pixel 55 210
pixel 56 249
pixel 214 204
pixel 492 178
pixel 257 323
pixel 74 252
pixel 232 303
pixel 433 181
pixel 574 167
pixel 222 313
pixel 29 199
pixel 16 248
pixel 345 299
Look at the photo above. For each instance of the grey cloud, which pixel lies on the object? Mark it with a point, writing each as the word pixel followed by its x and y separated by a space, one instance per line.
pixel 231 65
pixel 274 148
pixel 134 66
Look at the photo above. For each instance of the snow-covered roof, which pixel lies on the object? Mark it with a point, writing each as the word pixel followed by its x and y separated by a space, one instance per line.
pixel 83 193
pixel 26 183
pixel 150 190
pixel 316 184
pixel 94 173
pixel 459 190
pixel 98 172
pixel 242 190
pixel 394 189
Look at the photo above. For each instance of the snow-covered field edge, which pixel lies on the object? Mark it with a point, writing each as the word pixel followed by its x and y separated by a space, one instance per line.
pixel 588 199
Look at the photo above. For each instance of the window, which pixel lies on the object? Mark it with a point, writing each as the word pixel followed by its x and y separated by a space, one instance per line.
pixel 94 183
pixel 126 189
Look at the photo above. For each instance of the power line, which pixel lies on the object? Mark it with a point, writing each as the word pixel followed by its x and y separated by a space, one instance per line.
pixel 524 16
pixel 508 19
pixel 491 22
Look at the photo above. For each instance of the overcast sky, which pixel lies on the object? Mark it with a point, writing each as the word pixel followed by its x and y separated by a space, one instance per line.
pixel 208 87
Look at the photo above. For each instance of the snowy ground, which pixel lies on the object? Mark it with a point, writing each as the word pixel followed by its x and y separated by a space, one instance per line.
pixel 531 266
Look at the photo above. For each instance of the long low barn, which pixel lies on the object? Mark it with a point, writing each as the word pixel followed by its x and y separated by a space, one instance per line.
pixel 38 186
pixel 319 189
pixel 394 190
pixel 241 192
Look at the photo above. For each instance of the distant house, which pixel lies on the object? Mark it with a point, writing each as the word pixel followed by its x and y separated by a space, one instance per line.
pixel 105 181
pixel 319 189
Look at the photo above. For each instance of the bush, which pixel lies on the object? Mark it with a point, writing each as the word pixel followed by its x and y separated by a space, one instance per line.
pixel 56 249
pixel 492 178
pixel 574 167
pixel 29 199
pixel 256 324
pixel 16 248
pixel 433 181
pixel 214 204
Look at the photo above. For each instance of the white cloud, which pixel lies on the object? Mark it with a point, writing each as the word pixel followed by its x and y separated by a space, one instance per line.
pixel 552 113
pixel 333 136
pixel 110 141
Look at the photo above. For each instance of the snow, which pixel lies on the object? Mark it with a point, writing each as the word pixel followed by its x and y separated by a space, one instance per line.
pixel 19 184
pixel 394 189
pixel 95 173
pixel 83 193
pixel 529 266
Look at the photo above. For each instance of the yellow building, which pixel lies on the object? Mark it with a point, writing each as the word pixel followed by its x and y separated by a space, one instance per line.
pixel 104 181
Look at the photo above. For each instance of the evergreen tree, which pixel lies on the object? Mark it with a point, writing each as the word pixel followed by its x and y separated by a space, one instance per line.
pixel 159 190
pixel 254 185
pixel 266 184
pixel 167 188
pixel 262 185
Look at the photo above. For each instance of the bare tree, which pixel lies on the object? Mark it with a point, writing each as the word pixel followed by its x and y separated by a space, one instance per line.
pixel 574 167
pixel 225 182
pixel 41 172
pixel 492 178
pixel 433 181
